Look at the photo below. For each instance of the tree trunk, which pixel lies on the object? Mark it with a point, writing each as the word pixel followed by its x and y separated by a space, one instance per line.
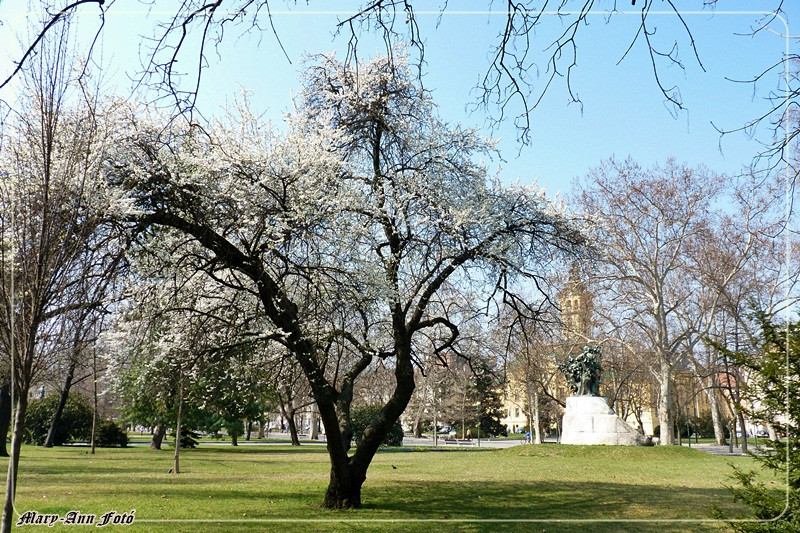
pixel 288 411
pixel 314 423
pixel 416 426
pixel 637 414
pixel 261 433
pixel 248 430
pixel 13 462
pixel 533 400
pixel 176 467
pixel 665 415
pixel 290 421
pixel 94 398
pixel 234 439
pixel 435 422
pixel 348 473
pixel 5 415
pixel 463 415
pixel 158 437
pixel 344 491
pixel 558 428
pixel 743 429
pixel 773 435
pixel 62 401
pixel 716 419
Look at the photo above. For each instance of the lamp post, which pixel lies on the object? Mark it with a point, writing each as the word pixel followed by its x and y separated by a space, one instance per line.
pixel 435 429
pixel 479 423
pixel 688 427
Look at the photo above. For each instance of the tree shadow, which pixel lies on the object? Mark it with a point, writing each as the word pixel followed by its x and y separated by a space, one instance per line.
pixel 546 500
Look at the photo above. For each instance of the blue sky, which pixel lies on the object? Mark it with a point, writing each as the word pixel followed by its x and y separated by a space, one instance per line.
pixel 623 112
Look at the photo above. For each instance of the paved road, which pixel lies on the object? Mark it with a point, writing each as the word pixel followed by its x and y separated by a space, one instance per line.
pixel 721 450
pixel 484 443
pixel 407 441
pixel 413 441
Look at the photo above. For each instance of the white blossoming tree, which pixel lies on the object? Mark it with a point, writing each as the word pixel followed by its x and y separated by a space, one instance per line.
pixel 347 229
pixel 184 343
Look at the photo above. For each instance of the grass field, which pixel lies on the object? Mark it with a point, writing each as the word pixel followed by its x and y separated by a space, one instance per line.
pixel 477 488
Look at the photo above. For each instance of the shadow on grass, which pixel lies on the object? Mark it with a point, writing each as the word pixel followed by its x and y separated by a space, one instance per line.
pixel 485 506
pixel 454 500
pixel 557 500
pixel 487 503
pixel 284 482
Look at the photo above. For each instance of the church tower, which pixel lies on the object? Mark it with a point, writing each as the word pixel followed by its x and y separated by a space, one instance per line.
pixel 575 301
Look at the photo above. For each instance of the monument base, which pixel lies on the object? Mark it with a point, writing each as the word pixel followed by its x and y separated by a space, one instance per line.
pixel 589 420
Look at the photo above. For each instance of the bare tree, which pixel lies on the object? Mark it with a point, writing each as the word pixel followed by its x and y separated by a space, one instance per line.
pixel 75 353
pixel 655 226
pixel 96 288
pixel 767 283
pixel 293 394
pixel 764 281
pixel 52 207
pixel 513 85
pixel 532 350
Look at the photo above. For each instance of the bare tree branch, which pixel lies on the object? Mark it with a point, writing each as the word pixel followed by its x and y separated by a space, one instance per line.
pixel 53 19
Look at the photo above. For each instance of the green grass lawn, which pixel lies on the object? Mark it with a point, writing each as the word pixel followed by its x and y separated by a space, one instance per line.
pixel 480 486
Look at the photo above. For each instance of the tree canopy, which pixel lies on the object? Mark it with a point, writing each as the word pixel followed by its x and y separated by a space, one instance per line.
pixel 345 231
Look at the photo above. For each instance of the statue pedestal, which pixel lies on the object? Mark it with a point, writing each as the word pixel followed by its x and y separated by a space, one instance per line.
pixel 589 420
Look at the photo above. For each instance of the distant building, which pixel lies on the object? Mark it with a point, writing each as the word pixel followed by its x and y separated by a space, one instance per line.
pixel 576 303
pixel 514 405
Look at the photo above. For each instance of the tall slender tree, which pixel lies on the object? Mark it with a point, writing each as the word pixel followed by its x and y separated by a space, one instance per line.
pixel 52 206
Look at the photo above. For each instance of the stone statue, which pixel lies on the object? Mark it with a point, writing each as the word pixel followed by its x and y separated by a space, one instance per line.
pixel 583 372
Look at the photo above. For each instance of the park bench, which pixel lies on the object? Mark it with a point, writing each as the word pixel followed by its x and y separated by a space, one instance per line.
pixel 458 442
